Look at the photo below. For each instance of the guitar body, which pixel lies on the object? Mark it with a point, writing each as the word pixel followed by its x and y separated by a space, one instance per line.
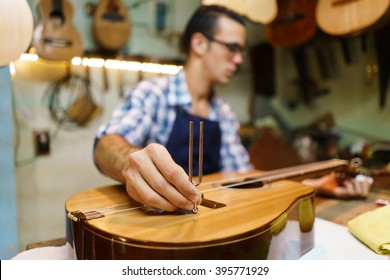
pixel 257 215
pixel 16 29
pixel 55 37
pixel 250 226
pixel 111 25
pixel 294 24
pixel 261 11
pixel 235 5
pixel 258 11
pixel 350 17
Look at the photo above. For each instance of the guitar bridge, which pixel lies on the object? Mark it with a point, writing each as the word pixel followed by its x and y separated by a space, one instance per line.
pixel 211 204
pixel 57 42
pixel 78 216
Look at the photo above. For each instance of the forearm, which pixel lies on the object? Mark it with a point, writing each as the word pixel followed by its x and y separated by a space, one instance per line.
pixel 111 156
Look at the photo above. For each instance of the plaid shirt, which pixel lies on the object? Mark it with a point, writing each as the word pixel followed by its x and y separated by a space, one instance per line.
pixel 148 113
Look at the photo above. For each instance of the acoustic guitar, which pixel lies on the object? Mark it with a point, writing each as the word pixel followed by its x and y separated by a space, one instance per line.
pixel 111 25
pixel 241 217
pixel 261 11
pixel 258 11
pixel 350 17
pixel 294 24
pixel 55 36
pixel 293 27
pixel 17 25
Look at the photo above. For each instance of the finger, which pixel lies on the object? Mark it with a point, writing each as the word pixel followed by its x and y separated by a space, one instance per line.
pixel 158 182
pixel 350 190
pixel 365 186
pixel 366 183
pixel 358 187
pixel 341 192
pixel 156 179
pixel 140 190
pixel 138 187
pixel 354 188
pixel 173 173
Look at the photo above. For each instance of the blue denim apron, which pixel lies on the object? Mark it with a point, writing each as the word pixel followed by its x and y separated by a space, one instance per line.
pixel 178 143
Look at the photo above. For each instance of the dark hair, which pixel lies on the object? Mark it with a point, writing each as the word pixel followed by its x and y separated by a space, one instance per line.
pixel 204 21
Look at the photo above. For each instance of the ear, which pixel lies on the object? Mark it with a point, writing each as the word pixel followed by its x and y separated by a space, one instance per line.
pixel 199 43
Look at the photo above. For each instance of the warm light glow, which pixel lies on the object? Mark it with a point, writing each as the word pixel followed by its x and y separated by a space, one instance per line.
pixel 29 56
pixel 93 62
pixel 12 69
pixel 116 64
pixel 123 65
pixel 76 61
pixel 160 68
pixel 170 69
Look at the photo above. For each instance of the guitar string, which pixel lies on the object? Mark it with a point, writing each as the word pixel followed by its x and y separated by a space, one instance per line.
pixel 107 210
pixel 263 177
pixel 266 178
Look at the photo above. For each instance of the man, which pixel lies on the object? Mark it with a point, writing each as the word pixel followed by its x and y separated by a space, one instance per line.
pixel 145 144
pixel 156 116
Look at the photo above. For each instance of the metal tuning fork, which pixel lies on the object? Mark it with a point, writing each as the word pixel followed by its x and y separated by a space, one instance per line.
pixel 205 202
pixel 191 153
pixel 191 157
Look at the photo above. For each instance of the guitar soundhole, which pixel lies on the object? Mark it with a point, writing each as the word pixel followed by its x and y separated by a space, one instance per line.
pixel 290 18
pixel 250 185
pixel 57 18
pixel 57 42
pixel 247 183
pixel 113 13
pixel 113 17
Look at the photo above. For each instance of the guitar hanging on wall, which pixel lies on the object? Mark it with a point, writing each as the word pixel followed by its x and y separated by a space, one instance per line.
pixel 55 37
pixel 258 11
pixel 294 27
pixel 111 25
pixel 350 17
pixel 17 18
pixel 294 24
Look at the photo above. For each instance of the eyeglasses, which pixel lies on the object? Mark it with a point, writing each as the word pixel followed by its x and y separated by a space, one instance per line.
pixel 233 48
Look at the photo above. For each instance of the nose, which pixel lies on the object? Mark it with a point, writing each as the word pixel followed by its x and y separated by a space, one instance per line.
pixel 238 58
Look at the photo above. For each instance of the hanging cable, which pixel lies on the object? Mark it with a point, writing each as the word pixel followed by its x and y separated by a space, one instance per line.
pixel 71 103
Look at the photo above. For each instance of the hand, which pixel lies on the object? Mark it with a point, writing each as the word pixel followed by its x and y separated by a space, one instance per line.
pixel 330 185
pixel 154 179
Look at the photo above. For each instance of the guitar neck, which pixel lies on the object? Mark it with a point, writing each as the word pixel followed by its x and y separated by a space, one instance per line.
pixel 57 6
pixel 295 173
pixel 311 169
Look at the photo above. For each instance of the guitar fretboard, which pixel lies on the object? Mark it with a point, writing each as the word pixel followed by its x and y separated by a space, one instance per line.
pixel 289 172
